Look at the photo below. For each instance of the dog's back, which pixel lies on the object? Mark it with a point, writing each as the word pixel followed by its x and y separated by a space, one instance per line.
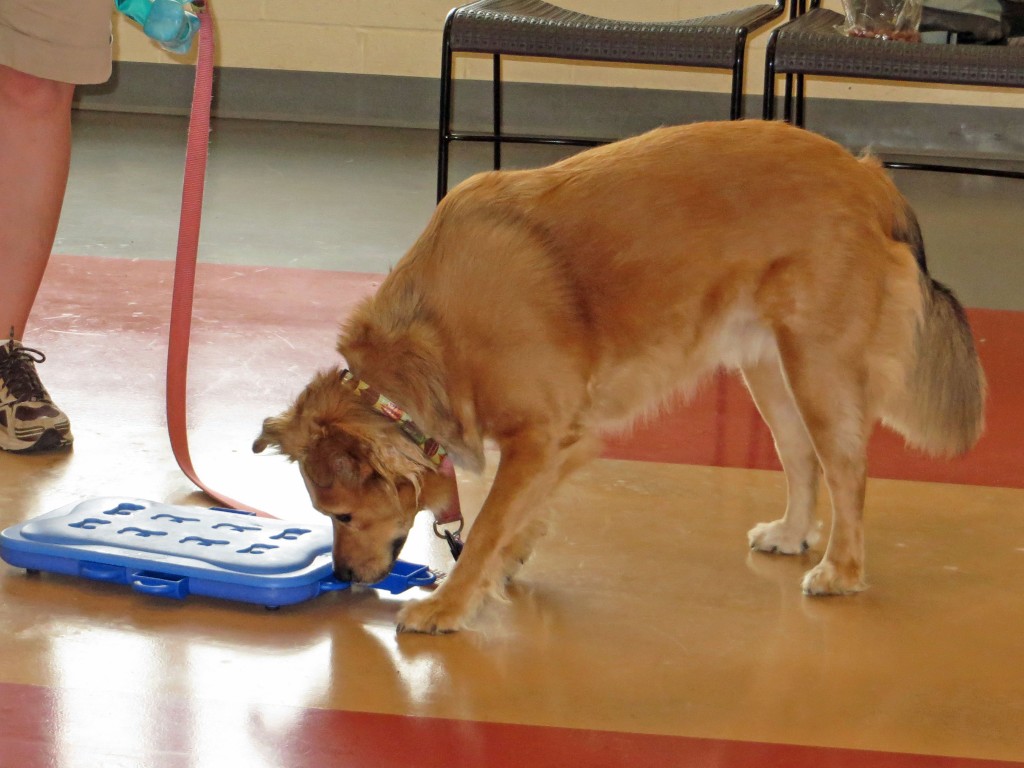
pixel 637 267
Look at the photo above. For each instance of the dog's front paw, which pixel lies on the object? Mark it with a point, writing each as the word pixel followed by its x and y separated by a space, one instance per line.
pixel 827 579
pixel 778 537
pixel 432 616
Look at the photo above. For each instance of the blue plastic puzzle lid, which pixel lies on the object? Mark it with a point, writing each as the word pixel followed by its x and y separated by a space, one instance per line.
pixel 222 540
pixel 174 551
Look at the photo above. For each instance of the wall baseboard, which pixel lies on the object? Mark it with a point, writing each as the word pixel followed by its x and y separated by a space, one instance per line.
pixel 889 128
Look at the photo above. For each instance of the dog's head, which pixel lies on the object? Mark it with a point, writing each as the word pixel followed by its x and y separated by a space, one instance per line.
pixel 360 470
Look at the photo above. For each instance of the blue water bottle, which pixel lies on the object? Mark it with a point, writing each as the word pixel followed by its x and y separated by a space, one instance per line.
pixel 165 21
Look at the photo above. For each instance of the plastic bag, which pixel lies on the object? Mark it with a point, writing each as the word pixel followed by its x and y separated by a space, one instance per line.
pixel 165 21
pixel 883 19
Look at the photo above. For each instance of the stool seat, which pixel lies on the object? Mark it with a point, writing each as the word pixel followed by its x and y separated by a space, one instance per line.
pixel 537 28
pixel 813 45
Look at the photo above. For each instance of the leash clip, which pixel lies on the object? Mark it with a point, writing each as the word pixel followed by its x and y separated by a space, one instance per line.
pixel 453 538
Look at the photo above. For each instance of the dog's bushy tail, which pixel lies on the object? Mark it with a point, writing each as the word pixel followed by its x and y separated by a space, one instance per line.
pixel 943 412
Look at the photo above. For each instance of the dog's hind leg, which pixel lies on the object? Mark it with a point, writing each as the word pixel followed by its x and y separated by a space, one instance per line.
pixel 576 449
pixel 520 548
pixel 794 532
pixel 830 392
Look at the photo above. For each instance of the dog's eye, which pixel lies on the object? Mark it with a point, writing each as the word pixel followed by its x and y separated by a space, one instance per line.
pixel 343 519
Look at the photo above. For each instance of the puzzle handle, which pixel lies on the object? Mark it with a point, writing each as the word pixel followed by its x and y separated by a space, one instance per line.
pixel 160 584
pixel 424 579
pixel 101 571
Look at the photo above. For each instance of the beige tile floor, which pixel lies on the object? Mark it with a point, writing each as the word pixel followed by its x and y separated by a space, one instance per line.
pixel 643 616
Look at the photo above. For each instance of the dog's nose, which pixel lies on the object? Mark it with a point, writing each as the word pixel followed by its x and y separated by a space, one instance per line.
pixel 343 573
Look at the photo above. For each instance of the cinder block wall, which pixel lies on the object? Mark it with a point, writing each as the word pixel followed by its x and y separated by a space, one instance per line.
pixel 402 38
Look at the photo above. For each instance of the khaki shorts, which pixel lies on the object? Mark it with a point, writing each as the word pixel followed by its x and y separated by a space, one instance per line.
pixel 65 40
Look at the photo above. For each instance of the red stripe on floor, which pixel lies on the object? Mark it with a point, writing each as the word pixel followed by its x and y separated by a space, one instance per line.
pixel 39 724
pixel 721 427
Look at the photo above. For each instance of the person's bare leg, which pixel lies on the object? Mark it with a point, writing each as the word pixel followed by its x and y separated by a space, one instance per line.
pixel 35 152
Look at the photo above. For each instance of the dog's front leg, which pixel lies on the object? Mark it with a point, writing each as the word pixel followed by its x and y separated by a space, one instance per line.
pixel 527 473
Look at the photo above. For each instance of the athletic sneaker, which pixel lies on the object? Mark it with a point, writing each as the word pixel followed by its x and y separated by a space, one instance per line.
pixel 29 421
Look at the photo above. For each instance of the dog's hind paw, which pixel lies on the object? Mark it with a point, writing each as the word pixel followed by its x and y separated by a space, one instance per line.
pixel 431 617
pixel 827 579
pixel 777 537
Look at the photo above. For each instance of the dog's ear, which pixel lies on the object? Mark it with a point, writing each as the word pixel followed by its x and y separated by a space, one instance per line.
pixel 394 456
pixel 332 458
pixel 273 429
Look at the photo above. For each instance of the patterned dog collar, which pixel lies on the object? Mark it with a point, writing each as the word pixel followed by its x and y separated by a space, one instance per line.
pixel 432 449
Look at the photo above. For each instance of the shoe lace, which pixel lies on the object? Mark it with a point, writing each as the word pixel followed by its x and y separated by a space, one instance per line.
pixel 18 372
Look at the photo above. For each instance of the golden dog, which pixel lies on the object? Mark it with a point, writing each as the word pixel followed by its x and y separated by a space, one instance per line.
pixel 542 307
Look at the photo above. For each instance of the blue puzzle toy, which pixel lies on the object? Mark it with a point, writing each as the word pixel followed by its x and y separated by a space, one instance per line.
pixel 175 551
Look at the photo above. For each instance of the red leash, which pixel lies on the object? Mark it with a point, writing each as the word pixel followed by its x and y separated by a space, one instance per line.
pixel 196 155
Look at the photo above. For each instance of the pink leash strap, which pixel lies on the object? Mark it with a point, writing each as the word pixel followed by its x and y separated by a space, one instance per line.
pixel 196 155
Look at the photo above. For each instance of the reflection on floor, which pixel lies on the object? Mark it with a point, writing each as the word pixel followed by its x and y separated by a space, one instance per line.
pixel 642 633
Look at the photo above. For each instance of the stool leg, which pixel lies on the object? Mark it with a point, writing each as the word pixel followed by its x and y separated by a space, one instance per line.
pixel 799 101
pixel 736 105
pixel 787 100
pixel 444 129
pixel 497 111
pixel 768 109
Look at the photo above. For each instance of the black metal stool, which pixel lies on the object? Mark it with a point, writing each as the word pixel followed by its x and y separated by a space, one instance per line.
pixel 811 45
pixel 537 28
